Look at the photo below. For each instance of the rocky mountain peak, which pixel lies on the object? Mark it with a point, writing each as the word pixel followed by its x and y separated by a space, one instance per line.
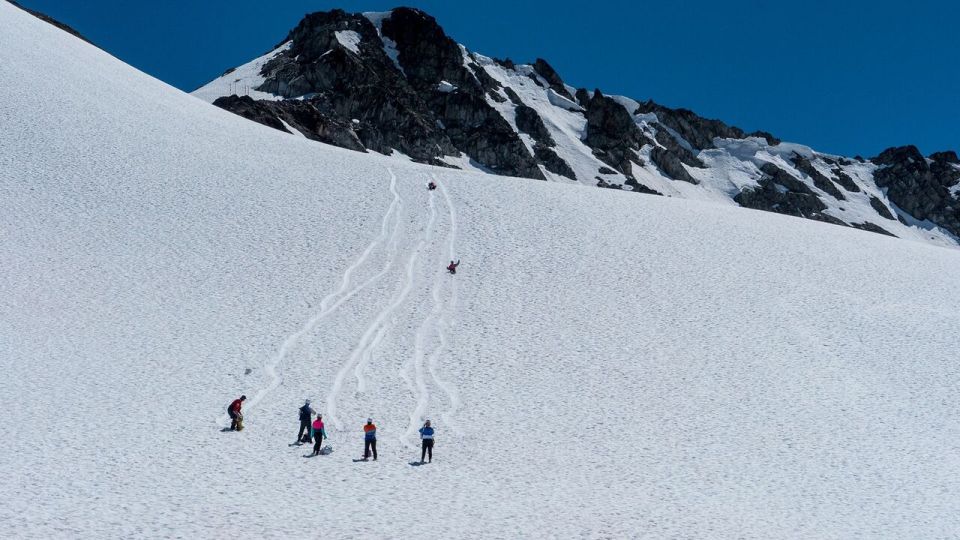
pixel 395 82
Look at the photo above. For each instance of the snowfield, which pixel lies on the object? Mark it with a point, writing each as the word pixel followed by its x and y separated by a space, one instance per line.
pixel 604 364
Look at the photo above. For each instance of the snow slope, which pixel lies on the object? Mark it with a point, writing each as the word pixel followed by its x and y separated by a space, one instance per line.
pixel 604 364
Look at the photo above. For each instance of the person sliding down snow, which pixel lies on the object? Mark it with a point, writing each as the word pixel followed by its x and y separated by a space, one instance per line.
pixel 452 267
pixel 369 440
pixel 305 415
pixel 431 186
pixel 236 417
pixel 426 435
pixel 318 434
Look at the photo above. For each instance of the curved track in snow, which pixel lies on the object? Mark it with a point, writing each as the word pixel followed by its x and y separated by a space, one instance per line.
pixel 377 329
pixel 334 300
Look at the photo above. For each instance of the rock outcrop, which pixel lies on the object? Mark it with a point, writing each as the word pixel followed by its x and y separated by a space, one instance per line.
pixel 920 186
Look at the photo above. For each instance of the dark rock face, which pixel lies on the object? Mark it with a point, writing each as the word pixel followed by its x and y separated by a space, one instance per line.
pixel 698 131
pixel 867 226
pixel 484 135
pixel 881 208
pixel 919 187
pixel 771 140
pixel 844 180
pixel 529 122
pixel 782 193
pixel 514 98
pixel 300 115
pixel 948 156
pixel 552 162
pixel 612 133
pixel 385 108
pixel 670 157
pixel 549 74
pixel 822 182
pixel 583 97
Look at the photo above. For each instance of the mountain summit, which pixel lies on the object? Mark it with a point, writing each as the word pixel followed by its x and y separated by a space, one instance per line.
pixel 395 83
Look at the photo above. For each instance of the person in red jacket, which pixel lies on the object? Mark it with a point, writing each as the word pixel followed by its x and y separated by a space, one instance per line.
pixel 452 267
pixel 236 417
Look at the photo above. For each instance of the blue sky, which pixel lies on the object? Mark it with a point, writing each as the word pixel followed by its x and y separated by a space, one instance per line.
pixel 848 77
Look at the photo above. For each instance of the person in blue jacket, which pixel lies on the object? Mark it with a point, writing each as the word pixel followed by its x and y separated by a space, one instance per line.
pixel 426 435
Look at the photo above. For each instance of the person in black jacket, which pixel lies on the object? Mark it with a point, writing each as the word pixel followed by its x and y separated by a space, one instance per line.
pixel 305 415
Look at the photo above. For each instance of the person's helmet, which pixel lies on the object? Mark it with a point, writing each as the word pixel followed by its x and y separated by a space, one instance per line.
pixel 428 422
pixel 307 402
pixel 243 398
pixel 369 420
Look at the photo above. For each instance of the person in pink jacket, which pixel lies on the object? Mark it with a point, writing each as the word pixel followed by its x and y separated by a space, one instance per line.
pixel 318 434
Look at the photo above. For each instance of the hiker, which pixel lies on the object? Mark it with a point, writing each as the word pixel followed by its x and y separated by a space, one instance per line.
pixel 426 435
pixel 432 186
pixel 305 414
pixel 452 267
pixel 236 416
pixel 318 434
pixel 369 439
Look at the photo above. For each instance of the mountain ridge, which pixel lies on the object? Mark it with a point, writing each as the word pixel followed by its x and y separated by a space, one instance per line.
pixel 395 82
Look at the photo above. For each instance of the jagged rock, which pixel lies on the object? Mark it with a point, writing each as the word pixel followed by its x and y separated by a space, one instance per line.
pixel 771 140
pixel 670 157
pixel 670 165
pixel 529 122
pixel 484 135
pixel 300 115
pixel 427 55
pixel 845 181
pixel 583 97
pixel 822 182
pixel 549 74
pixel 513 96
pixel 920 188
pixel 948 156
pixel 826 218
pixel 496 97
pixel 867 226
pixel 506 62
pixel 612 133
pixel 696 130
pixel 607 170
pixel 881 208
pixel 552 162
pixel 640 188
pixel 780 192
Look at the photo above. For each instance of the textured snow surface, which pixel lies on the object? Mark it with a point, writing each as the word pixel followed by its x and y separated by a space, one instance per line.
pixel 604 364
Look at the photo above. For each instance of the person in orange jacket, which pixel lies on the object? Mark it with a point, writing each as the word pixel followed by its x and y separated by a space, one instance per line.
pixel 369 439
